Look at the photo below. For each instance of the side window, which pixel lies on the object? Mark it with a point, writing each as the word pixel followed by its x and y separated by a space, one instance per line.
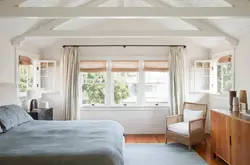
pixel 224 74
pixel 26 75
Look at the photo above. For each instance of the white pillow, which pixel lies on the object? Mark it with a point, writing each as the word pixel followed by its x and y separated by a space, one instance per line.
pixel 189 115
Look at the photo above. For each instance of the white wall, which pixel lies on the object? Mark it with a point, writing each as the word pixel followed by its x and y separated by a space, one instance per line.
pixel 242 66
pixel 134 120
pixel 7 61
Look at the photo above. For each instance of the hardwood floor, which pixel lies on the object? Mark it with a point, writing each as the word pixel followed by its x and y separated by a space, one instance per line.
pixel 202 149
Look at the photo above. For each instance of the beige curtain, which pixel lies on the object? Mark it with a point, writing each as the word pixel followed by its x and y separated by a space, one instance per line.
pixel 177 78
pixel 70 83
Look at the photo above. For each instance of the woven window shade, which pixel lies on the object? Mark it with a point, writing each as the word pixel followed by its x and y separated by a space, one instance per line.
pixel 24 60
pixel 125 66
pixel 156 66
pixel 225 59
pixel 93 66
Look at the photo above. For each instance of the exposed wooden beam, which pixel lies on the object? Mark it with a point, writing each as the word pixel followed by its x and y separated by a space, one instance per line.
pixel 11 3
pixel 128 12
pixel 125 34
pixel 51 24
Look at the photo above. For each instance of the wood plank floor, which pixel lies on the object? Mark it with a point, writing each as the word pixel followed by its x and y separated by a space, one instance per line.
pixel 202 149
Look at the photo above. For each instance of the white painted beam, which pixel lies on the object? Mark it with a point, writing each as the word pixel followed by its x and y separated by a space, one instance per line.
pixel 128 12
pixel 11 3
pixel 239 3
pixel 93 3
pixel 51 24
pixel 199 24
pixel 125 34
pixel 157 3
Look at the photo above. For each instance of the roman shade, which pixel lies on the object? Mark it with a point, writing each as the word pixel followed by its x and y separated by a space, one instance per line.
pixel 225 59
pixel 156 66
pixel 93 66
pixel 24 60
pixel 125 66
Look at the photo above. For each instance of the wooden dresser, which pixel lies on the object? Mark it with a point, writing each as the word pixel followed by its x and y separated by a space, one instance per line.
pixel 230 136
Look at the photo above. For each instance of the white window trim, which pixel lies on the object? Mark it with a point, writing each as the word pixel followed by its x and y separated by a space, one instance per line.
pixel 215 57
pixel 109 92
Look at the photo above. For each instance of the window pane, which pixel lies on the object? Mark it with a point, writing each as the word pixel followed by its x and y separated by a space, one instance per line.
pixel 125 87
pixel 25 77
pixel 227 77
pixel 224 77
pixel 219 79
pixel 157 77
pixel 157 87
pixel 93 88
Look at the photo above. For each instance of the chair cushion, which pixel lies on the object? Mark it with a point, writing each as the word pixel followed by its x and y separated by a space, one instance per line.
pixel 180 128
pixel 189 115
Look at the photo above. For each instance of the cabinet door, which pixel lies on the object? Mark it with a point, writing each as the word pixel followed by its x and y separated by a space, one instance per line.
pixel 220 132
pixel 240 142
pixel 213 131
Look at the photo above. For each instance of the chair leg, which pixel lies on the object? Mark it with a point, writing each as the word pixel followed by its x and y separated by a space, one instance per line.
pixel 205 141
pixel 166 141
pixel 189 148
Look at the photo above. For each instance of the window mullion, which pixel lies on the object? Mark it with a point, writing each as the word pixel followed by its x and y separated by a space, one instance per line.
pixel 141 85
pixel 109 86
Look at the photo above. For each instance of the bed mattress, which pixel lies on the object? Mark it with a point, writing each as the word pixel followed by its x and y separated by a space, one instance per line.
pixel 63 143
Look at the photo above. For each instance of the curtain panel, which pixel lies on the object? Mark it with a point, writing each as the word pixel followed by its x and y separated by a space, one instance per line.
pixel 70 83
pixel 177 78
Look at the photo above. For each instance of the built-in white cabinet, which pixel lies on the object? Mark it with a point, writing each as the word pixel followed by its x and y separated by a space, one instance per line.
pixel 201 78
pixel 46 75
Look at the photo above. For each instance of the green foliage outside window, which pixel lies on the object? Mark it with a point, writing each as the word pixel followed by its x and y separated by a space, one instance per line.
pixel 25 78
pixel 94 89
pixel 224 74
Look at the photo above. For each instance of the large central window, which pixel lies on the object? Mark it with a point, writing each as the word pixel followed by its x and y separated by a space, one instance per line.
pixel 124 82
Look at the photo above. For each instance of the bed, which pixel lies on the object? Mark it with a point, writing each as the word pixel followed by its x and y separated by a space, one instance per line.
pixel 60 142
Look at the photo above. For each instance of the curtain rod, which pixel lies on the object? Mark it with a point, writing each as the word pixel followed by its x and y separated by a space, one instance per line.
pixel 64 46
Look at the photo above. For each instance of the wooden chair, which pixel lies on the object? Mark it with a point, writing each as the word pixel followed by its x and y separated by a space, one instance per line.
pixel 194 130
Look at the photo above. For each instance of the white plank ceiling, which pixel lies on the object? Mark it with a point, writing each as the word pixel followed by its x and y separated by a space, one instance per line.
pixel 233 27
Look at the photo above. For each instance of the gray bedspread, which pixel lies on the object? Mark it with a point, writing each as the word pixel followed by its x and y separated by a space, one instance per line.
pixel 63 143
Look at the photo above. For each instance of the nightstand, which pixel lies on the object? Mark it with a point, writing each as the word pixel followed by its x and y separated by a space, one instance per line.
pixel 42 114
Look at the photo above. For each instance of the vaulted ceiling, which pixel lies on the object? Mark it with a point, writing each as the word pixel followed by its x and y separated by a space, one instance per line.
pixel 209 30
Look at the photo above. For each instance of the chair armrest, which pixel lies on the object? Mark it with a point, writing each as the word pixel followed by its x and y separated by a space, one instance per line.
pixel 173 119
pixel 197 126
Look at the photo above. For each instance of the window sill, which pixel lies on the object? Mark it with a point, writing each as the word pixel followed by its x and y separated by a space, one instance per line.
pixel 220 95
pixel 131 107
